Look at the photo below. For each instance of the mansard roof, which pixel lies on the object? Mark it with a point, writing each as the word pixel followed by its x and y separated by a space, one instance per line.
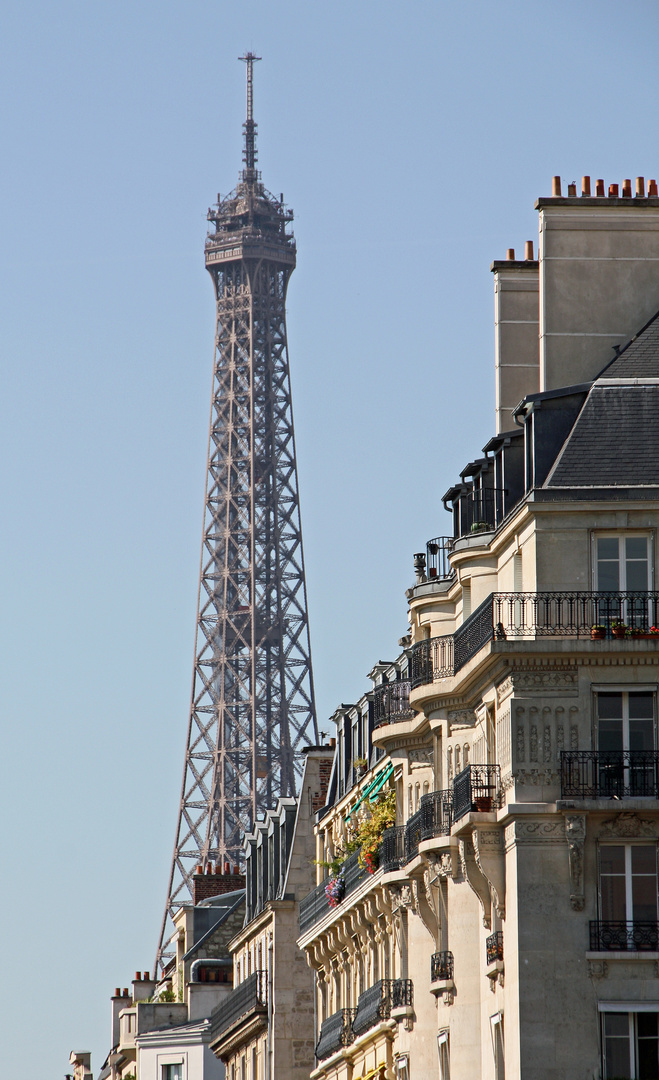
pixel 615 439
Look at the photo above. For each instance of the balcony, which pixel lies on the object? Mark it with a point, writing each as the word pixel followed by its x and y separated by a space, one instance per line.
pixel 436 814
pixel 315 905
pixel 441 967
pixel 477 789
pixel 494 948
pixel 478 510
pixel 534 616
pixel 609 774
pixel 335 1033
pixel 247 1007
pixel 624 936
pixel 437 558
pixel 391 703
pixel 392 849
pixel 373 1006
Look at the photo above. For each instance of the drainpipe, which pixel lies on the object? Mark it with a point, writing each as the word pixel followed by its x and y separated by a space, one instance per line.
pixel 269 1070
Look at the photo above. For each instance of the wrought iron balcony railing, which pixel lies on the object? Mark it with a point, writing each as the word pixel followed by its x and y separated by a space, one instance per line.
pixel 413 836
pixel 476 789
pixel 392 849
pixel 373 1006
pixel 437 558
pixel 335 1032
pixel 624 936
pixel 478 510
pixel 441 967
pixel 391 703
pixel 504 616
pixel 315 905
pixel 609 774
pixel 572 614
pixel 250 997
pixel 436 814
pixel 402 993
pixel 494 947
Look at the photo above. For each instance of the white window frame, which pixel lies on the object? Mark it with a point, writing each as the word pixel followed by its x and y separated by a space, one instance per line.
pixel 621 534
pixel 625 690
pixel 496 1031
pixel 632 1009
pixel 629 901
pixel 444 1051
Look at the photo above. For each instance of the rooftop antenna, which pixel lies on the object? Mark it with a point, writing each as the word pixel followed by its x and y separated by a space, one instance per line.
pixel 249 127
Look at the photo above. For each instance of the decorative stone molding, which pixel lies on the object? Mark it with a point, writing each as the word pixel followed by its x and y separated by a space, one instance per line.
pixel 444 865
pixel 535 831
pixel 536 776
pixel 597 969
pixel 628 824
pixel 489 854
pixel 422 757
pixel 575 834
pixel 461 718
pixel 476 879
pixel 539 680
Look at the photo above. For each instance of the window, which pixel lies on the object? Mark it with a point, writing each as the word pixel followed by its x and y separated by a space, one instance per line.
pixel 496 1029
pixel 630 1045
pixel 172 1072
pixel 628 883
pixel 621 563
pixel 626 741
pixel 444 1062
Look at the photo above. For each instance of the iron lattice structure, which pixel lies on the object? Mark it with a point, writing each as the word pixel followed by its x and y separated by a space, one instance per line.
pixel 252 693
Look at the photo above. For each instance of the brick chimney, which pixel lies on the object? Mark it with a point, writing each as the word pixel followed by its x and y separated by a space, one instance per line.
pixel 216 881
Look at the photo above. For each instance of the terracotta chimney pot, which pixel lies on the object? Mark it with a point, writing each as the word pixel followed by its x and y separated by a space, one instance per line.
pixel 510 254
pixel 640 187
pixel 613 191
pixel 599 189
pixel 626 189
pixel 556 186
pixel 652 189
pixel 585 186
pixel 528 251
pixel 572 191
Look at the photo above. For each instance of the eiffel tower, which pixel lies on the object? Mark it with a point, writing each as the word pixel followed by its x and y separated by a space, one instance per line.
pixel 252 706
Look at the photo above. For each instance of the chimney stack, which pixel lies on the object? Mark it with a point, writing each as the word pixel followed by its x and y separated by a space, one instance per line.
pixel 215 884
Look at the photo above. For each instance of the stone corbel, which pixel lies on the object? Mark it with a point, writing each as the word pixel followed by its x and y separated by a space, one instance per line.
pixel 476 879
pixel 489 854
pixel 575 834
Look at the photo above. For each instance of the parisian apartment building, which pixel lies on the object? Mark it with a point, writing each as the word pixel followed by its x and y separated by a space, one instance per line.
pixel 466 885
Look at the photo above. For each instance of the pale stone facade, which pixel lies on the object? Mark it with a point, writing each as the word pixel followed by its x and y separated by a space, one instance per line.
pixel 264 1030
pixel 511 926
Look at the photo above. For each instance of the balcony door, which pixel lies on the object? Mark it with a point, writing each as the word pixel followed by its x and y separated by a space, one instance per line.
pixel 628 896
pixel 623 563
pixel 626 741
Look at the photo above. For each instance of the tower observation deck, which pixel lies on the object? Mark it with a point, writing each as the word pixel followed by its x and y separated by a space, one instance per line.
pixel 252 706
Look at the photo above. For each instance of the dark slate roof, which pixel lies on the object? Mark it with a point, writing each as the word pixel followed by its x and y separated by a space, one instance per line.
pixel 615 440
pixel 640 358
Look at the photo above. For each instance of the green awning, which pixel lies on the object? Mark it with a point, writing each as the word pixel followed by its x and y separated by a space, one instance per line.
pixel 373 788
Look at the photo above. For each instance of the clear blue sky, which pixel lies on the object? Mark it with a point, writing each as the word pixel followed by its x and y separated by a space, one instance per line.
pixel 411 140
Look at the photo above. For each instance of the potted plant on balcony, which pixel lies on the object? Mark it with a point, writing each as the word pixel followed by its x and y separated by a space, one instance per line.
pixel 618 628
pixel 597 632
pixel 371 829
pixel 359 765
pixel 480 526
pixel 335 889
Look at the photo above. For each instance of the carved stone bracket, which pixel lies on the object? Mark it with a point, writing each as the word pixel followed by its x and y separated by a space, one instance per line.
pixel 476 878
pixel 575 834
pixel 597 969
pixel 489 854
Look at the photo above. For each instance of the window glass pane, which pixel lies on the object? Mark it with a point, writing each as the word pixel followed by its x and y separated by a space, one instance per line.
pixel 612 883
pixel 609 705
pixel 644 883
pixel 637 576
pixel 609 736
pixel 616 1046
pixel 607 547
pixel 641 735
pixel 608 568
pixel 641 705
pixel 648 1046
pixel 636 547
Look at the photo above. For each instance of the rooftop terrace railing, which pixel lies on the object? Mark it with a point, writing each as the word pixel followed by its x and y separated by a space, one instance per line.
pixel 437 558
pixel 511 616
